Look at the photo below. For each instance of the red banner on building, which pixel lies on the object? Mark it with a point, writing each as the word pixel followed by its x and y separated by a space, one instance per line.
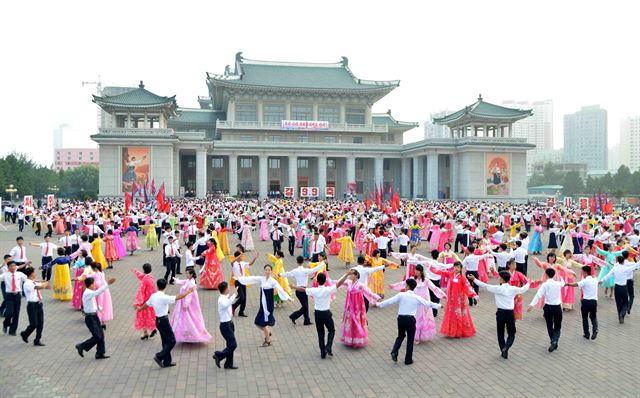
pixel 551 200
pixel 330 192
pixel 288 192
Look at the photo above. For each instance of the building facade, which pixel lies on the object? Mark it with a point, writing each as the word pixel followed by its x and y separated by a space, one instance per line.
pixel 436 131
pixel 585 137
pixel 281 126
pixel 537 129
pixel 70 158
pixel 630 143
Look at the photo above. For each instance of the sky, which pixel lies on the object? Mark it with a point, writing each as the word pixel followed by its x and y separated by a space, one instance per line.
pixel 445 53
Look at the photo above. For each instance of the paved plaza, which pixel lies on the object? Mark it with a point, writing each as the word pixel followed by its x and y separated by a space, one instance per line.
pixel 292 367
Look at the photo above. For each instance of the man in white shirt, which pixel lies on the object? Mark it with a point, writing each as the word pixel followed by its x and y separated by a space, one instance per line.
pixel 317 246
pixel 520 254
pixel 90 309
pixel 364 272
pixel 301 276
pixel 159 301
pixel 291 238
pixel 382 242
pixel 19 254
pixel 227 329
pixel 589 302
pixel 505 317
pixel 47 249
pixel 551 291
pixel 276 237
pixel 237 269
pixel 34 307
pixel 408 303
pixel 621 273
pixel 13 281
pixel 322 314
pixel 171 256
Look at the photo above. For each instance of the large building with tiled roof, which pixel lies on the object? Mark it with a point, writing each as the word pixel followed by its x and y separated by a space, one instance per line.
pixel 288 127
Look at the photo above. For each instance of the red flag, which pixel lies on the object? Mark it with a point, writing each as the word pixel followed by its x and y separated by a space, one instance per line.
pixel 153 187
pixel 127 201
pixel 395 201
pixel 160 198
pixel 367 203
pixel 167 207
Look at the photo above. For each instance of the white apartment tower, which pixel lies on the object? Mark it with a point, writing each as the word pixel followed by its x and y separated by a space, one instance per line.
pixel 537 129
pixel 630 142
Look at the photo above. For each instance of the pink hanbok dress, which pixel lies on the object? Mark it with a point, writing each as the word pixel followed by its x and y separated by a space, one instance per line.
pixel 354 332
pixel 117 239
pixel 264 230
pixel 78 286
pixel 247 239
pixel 187 321
pixel 360 239
pixel 105 306
pixel 425 322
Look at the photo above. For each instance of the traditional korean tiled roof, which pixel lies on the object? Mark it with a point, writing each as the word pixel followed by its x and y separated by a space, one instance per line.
pixel 387 119
pixel 136 98
pixel 484 110
pixel 313 76
pixel 192 116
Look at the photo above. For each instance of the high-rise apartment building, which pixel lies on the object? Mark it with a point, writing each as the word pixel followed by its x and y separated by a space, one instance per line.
pixel 585 137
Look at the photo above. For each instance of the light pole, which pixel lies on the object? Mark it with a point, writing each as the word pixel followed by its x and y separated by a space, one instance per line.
pixel 11 190
pixel 54 189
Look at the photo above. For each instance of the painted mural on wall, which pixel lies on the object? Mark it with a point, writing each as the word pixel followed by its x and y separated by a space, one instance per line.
pixel 498 174
pixel 135 166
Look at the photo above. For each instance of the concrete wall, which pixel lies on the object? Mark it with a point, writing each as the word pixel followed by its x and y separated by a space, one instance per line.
pixel 162 167
pixel 109 171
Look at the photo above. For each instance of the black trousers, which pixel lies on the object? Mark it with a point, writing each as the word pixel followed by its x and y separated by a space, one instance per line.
pixel 304 308
pixel 366 305
pixel 227 329
pixel 475 287
pixel 292 244
pixel 406 328
pixel 20 225
pixel 3 306
pixel 170 265
pixel 67 250
pixel 35 311
pixel 325 320
pixel 553 317
pixel 97 335
pixel 12 311
pixel 589 309
pixel 167 337
pixel 631 294
pixel 277 245
pixel 521 267
pixel 314 257
pixel 242 298
pixel 383 253
pixel 46 272
pixel 460 240
pixel 505 319
pixel 433 297
pixel 402 249
pixel 622 299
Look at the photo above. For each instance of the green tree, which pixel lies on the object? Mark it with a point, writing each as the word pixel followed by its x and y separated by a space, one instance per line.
pixel 81 182
pixel 572 184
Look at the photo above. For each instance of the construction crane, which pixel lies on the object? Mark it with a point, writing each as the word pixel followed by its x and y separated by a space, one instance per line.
pixel 98 85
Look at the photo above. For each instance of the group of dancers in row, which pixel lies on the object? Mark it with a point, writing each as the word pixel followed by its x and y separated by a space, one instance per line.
pixel 339 226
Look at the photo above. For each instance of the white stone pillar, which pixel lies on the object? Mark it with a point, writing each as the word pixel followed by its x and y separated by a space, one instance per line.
pixel 406 177
pixel 351 171
pixel 293 174
pixel 432 177
pixel 201 173
pixel 322 175
pixel 263 174
pixel 378 171
pixel 176 172
pixel 417 177
pixel 453 166
pixel 233 175
pixel 343 113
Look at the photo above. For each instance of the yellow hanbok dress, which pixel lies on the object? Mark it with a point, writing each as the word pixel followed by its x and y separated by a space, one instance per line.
pixel 278 268
pixel 151 239
pixel 97 254
pixel 62 289
pixel 376 279
pixel 346 249
pixel 224 242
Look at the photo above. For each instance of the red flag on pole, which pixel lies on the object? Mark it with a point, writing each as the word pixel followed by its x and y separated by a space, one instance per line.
pixel 367 203
pixel 167 207
pixel 160 198
pixel 127 201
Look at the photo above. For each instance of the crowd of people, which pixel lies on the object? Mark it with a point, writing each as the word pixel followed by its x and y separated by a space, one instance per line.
pixel 448 251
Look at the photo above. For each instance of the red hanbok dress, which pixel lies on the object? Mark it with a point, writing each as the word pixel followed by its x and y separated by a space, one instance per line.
pixel 145 319
pixel 518 280
pixel 457 320
pixel 110 252
pixel 211 273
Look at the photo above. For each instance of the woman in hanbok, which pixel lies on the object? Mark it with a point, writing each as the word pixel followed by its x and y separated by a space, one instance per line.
pixel 247 239
pixel 146 319
pixel 222 238
pixel 96 251
pixel 412 259
pixel 354 330
pixel 457 320
pixel 553 237
pixel 60 224
pixel 610 261
pixel 61 277
pixel 265 319
pixel 278 268
pixel 78 286
pixel 110 252
pixel 535 245
pixel 586 258
pixel 117 239
pixel 132 239
pixel 264 229
pixel 334 246
pixel 376 279
pixel 359 238
pixel 211 272
pixel 567 242
pixel 346 250
pixel 434 238
pixel 565 268
pixel 369 243
pixel 414 233
pixel 187 321
pixel 448 256
pixel 306 239
pixel 151 240
pixel 425 322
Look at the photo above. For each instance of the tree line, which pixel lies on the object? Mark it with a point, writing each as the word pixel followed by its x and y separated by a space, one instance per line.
pixel 622 183
pixel 30 178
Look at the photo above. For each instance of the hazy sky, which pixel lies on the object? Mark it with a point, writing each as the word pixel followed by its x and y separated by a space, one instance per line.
pixel 445 53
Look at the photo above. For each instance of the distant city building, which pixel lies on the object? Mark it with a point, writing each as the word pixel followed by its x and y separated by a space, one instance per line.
pixel 630 142
pixel 546 156
pixel 537 129
pixel 585 137
pixel 613 157
pixel 58 136
pixel 436 131
pixel 70 158
pixel 561 168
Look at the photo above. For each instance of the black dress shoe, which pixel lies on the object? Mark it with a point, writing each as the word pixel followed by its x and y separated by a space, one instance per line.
pixel 323 354
pixel 408 362
pixel 158 361
pixel 11 334
pixel 24 337
pixel 153 333
pixel 293 320
pixel 586 336
pixel 104 327
pixel 243 315
pixel 330 353
pixel 4 329
pixel 38 344
pixel 231 367
pixel 217 360
pixel 102 356
pixel 594 335
pixel 308 323
pixel 505 353
pixel 553 346
pixel 621 319
pixel 169 365
pixel 80 350
pixel 394 357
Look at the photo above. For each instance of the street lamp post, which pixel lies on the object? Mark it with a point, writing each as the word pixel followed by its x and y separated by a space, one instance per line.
pixel 11 190
pixel 54 189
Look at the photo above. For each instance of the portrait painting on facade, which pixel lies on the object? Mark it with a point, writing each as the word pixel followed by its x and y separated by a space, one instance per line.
pixel 135 166
pixel 497 174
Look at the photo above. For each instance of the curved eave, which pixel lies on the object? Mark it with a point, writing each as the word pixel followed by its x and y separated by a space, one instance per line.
pixel 364 90
pixel 446 120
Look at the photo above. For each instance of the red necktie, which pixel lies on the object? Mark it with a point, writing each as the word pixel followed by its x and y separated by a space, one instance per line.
pixel 39 295
pixel 241 270
pixel 67 244
pixel 172 252
pixel 21 253
pixel 314 247
pixel 46 252
pixel 14 288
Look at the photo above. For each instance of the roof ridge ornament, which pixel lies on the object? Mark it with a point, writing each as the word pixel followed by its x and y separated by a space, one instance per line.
pixel 239 57
pixel 345 61
pixel 479 97
pixel 141 85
